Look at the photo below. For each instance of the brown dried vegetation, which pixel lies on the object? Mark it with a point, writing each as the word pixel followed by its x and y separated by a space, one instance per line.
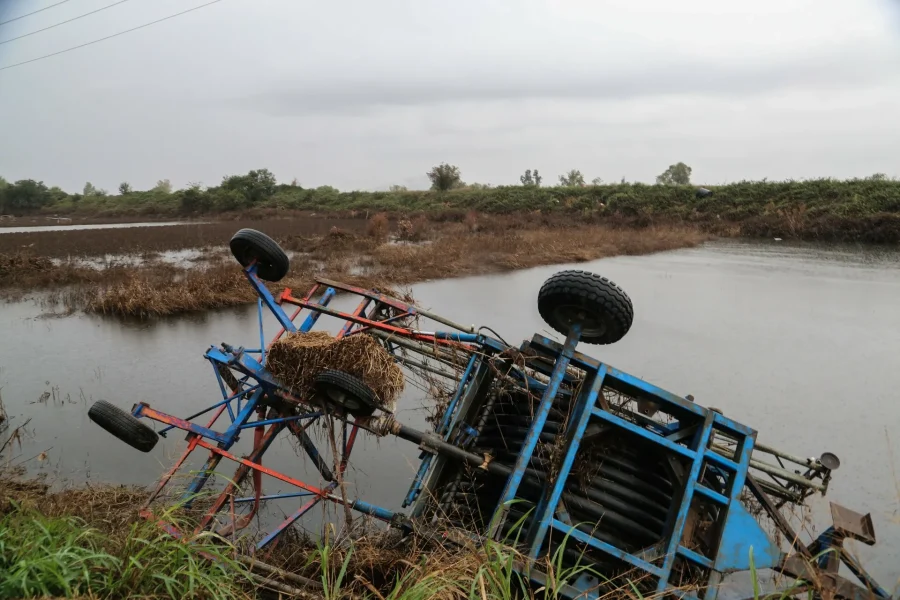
pixel 473 245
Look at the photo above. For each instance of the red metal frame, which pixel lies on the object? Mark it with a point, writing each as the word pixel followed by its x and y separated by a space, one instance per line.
pixel 355 323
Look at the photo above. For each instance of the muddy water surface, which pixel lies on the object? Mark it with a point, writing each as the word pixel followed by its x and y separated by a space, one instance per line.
pixel 799 342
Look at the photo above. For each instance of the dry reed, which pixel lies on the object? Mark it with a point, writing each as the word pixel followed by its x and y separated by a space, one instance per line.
pixel 500 244
pixel 296 359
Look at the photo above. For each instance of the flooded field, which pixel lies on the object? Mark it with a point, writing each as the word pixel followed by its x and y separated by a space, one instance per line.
pixel 80 227
pixel 799 342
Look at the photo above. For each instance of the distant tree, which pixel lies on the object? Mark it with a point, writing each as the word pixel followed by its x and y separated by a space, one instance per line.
pixel 596 181
pixel 877 177
pixel 193 199
pixel 573 178
pixel 677 174
pixel 23 196
pixel 89 190
pixel 529 179
pixel 295 182
pixel 398 188
pixel 124 188
pixel 445 177
pixel 163 186
pixel 479 186
pixel 256 186
pixel 623 179
pixel 56 194
pixel 3 183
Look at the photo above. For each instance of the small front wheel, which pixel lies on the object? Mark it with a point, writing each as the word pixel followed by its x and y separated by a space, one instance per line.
pixel 602 308
pixel 123 425
pixel 346 391
pixel 249 245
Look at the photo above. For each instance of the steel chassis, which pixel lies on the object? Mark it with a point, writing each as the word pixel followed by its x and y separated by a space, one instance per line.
pixel 700 438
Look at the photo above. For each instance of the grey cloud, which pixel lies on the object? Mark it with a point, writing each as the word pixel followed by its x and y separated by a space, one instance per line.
pixel 837 68
pixel 360 94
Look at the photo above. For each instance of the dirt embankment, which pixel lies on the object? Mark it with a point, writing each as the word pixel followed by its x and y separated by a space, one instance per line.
pixel 373 252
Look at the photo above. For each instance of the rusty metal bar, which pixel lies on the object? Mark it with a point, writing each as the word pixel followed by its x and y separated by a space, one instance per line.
pixel 441 353
pixel 773 470
pixel 397 304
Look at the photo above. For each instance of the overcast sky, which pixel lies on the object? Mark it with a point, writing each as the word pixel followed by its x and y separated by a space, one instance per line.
pixel 361 94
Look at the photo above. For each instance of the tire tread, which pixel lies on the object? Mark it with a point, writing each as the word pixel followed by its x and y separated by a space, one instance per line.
pixel 123 425
pixel 591 290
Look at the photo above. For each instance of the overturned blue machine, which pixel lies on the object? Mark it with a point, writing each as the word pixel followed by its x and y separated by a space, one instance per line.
pixel 538 445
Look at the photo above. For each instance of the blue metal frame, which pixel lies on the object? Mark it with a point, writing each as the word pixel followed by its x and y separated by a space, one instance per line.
pixel 687 438
pixel 444 429
pixel 693 431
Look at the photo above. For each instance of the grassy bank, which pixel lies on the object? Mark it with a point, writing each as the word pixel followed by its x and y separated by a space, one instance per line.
pixel 364 255
pixel 91 543
pixel 825 209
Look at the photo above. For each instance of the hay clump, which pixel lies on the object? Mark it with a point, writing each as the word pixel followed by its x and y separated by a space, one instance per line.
pixel 297 358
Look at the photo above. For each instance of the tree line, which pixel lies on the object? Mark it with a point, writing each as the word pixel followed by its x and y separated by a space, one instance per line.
pixel 259 187
pixel 445 177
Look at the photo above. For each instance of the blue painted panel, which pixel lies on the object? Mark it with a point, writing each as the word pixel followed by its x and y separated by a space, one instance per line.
pixel 742 533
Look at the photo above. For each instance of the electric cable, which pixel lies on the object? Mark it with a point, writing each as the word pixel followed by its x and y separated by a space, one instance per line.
pixel 25 62
pixel 32 13
pixel 25 35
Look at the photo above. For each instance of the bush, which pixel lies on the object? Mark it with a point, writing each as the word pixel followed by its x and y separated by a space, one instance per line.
pixel 623 204
pixel 378 226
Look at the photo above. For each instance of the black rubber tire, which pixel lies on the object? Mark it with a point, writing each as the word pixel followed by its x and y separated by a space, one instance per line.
pixel 346 391
pixel 248 245
pixel 603 308
pixel 123 425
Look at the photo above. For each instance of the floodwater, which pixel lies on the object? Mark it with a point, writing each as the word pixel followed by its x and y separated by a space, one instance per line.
pixel 70 227
pixel 800 342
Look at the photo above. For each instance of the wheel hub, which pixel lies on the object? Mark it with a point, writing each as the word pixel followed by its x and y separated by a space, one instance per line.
pixel 592 325
pixel 340 397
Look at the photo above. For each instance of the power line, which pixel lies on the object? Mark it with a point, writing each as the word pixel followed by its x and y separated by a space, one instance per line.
pixel 33 13
pixel 63 22
pixel 110 36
